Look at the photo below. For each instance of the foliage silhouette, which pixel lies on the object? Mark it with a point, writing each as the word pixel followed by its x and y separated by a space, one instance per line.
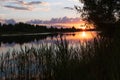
pixel 28 28
pixel 100 11
pixel 104 13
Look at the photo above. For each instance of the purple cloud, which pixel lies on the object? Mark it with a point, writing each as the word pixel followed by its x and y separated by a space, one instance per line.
pixel 55 20
pixel 7 21
pixel 10 21
pixel 51 21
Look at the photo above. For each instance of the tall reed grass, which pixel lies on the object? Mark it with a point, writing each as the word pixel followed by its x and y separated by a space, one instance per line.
pixel 97 60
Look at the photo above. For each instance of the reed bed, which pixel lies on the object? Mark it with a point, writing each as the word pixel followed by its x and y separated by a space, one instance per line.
pixel 96 60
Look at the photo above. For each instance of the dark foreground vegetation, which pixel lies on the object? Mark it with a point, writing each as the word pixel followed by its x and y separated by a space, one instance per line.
pixel 97 60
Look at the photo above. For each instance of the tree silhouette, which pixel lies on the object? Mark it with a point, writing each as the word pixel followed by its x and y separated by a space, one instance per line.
pixel 100 11
pixel 28 28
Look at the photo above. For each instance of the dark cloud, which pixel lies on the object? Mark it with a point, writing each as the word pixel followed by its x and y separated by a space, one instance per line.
pixel 55 20
pixel 29 3
pixel 69 8
pixel 16 7
pixel 23 5
pixel 34 2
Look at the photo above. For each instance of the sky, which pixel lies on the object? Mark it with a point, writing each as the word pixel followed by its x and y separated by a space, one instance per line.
pixel 39 11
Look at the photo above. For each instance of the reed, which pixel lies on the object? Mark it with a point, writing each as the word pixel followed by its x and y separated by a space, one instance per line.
pixel 96 60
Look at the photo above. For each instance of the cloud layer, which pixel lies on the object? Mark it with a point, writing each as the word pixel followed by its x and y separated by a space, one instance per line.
pixel 51 21
pixel 22 5
pixel 55 20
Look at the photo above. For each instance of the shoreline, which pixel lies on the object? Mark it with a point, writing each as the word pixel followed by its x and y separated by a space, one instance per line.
pixel 41 33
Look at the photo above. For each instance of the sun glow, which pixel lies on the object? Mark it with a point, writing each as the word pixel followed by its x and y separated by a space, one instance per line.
pixel 82 27
pixel 83 34
pixel 86 35
pixel 86 26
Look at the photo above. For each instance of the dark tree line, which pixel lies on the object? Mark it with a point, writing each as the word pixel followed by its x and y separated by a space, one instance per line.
pixel 28 28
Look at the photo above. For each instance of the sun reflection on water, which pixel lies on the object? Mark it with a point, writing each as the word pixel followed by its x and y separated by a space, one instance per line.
pixel 83 34
pixel 80 36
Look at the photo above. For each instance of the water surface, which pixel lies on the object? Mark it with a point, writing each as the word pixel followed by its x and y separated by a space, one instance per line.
pixel 10 42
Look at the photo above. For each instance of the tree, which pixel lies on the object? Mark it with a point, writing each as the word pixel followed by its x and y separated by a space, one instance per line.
pixel 100 11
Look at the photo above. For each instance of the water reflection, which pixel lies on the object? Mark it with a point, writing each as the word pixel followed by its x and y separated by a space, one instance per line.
pixel 82 36
pixel 8 43
pixel 87 35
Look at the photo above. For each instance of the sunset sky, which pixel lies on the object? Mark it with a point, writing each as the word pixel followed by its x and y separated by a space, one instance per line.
pixel 39 11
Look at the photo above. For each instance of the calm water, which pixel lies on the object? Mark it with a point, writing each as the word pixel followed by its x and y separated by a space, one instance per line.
pixel 10 42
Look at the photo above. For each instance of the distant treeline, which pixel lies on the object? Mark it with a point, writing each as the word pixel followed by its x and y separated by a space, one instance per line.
pixel 28 28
